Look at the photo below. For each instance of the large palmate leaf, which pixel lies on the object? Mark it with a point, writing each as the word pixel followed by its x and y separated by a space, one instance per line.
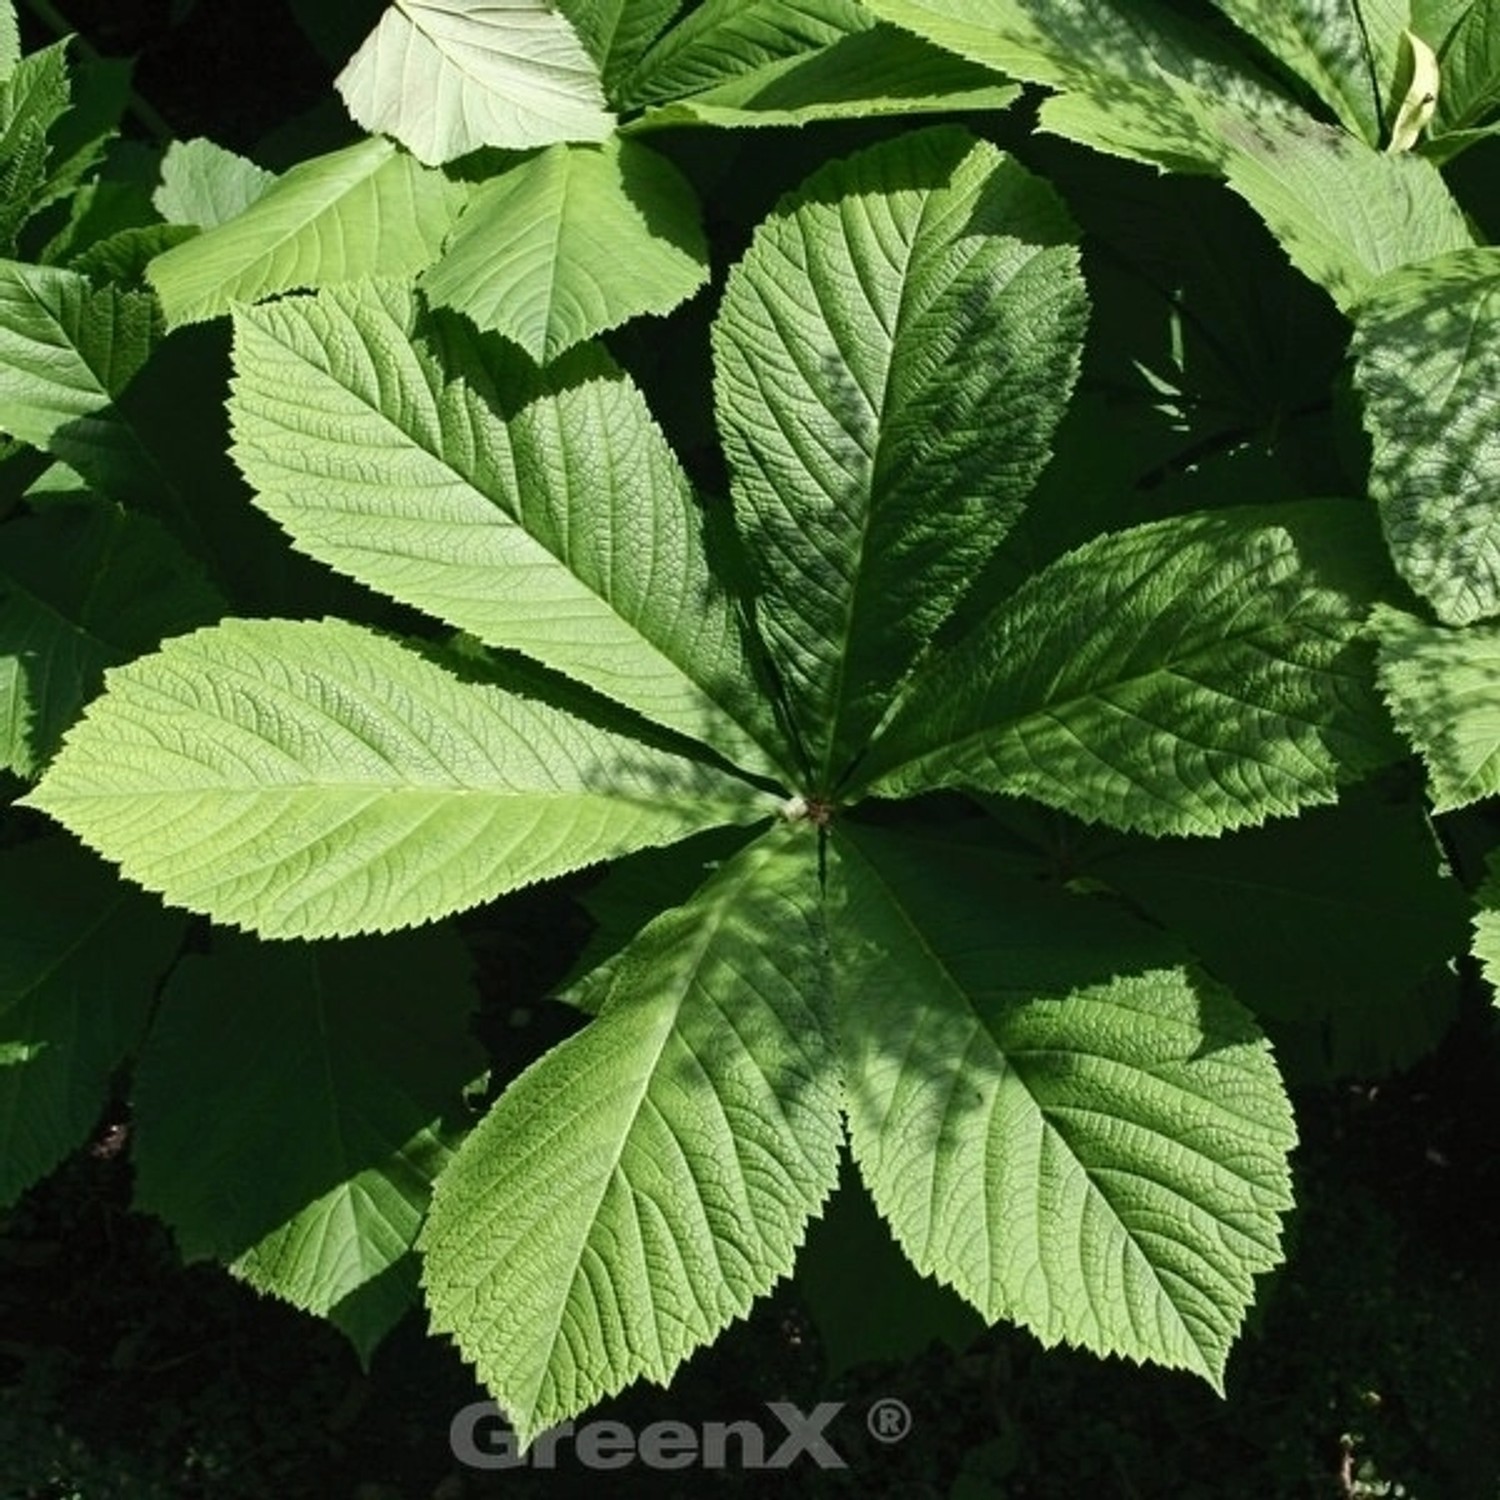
pixel 1187 676
pixel 311 1172
pixel 67 350
pixel 368 210
pixel 635 1190
pixel 1427 364
pixel 317 780
pixel 1443 689
pixel 80 958
pixel 538 510
pixel 893 355
pixel 446 77
pixel 82 585
pixel 572 242
pixel 1056 1118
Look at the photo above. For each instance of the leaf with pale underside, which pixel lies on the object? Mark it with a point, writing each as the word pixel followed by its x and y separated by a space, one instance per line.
pixel 634 1191
pixel 205 185
pixel 310 780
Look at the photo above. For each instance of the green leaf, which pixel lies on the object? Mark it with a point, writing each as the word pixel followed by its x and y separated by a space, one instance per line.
pixel 572 242
pixel 446 80
pixel 1056 1118
pixel 722 40
pixel 82 586
pixel 301 1056
pixel 1487 925
pixel 80 957
pixel 617 32
pixel 67 350
pixel 10 38
pixel 1427 365
pixel 34 97
pixel 1470 69
pixel 317 780
pixel 538 510
pixel 893 355
pixel 1443 690
pixel 871 73
pixel 1188 676
pixel 204 185
pixel 636 1189
pixel 367 210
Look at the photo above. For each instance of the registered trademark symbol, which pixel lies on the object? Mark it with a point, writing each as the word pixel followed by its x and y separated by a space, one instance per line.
pixel 888 1419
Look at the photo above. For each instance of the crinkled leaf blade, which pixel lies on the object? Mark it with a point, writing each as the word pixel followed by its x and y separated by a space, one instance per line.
pixel 634 1191
pixel 1055 1116
pixel 893 355
pixel 1191 675
pixel 313 779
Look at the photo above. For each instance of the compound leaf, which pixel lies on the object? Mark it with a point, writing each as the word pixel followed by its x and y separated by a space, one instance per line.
pixel 317 780
pixel 1056 1118
pixel 446 77
pixel 367 210
pixel 634 1191
pixel 572 242
pixel 893 355
pixel 1427 365
pixel 1186 676
pixel 540 510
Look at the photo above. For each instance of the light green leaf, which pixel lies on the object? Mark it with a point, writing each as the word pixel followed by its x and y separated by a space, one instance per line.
pixel 34 96
pixel 1443 690
pixel 635 1190
pixel 82 586
pixel 722 40
pixel 1487 925
pixel 893 355
pixel 446 78
pixel 367 210
pixel 1056 1118
pixel 882 71
pixel 301 1056
pixel 317 780
pixel 204 185
pixel 1188 676
pixel 572 242
pixel 80 957
pixel 67 350
pixel 1470 64
pixel 10 37
pixel 538 510
pixel 1418 103
pixel 617 32
pixel 1427 365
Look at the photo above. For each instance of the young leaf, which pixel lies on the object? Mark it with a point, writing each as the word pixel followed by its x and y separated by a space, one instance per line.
pixel 636 1189
pixel 368 210
pixel 301 1057
pixel 317 780
pixel 67 350
pixel 1188 676
pixel 80 958
pixel 1057 1119
pixel 1427 365
pixel 204 185
pixel 538 510
pixel 892 355
pixel 82 585
pixel 446 79
pixel 33 99
pixel 572 242
pixel 1443 689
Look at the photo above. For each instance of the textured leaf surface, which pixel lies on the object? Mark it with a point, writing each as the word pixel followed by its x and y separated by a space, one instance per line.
pixel 206 185
pixel 66 351
pixel 541 511
pixel 82 586
pixel 317 780
pixel 34 96
pixel 80 958
pixel 1470 61
pixel 572 242
pixel 1187 676
pixel 1443 690
pixel 1427 364
pixel 616 33
pixel 635 1190
pixel 367 210
pixel 446 77
pixel 893 355
pixel 293 1103
pixel 1054 1116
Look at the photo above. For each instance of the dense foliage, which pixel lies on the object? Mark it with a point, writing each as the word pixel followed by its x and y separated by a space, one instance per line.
pixel 1004 622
